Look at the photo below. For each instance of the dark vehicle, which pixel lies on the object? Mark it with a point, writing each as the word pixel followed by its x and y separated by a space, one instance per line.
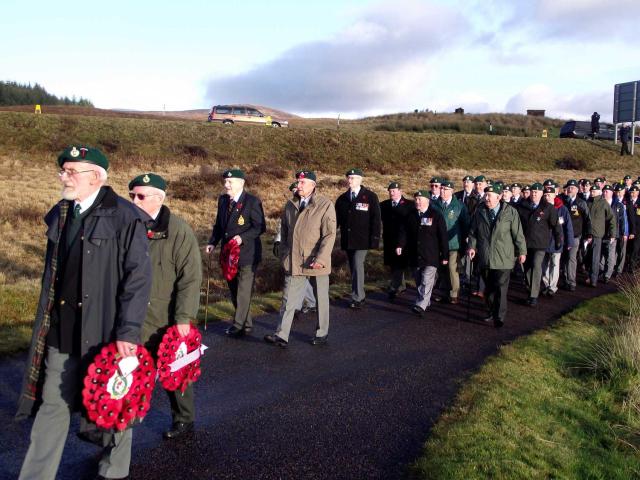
pixel 230 114
pixel 575 129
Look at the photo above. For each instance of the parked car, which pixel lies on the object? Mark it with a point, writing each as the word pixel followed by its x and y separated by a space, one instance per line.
pixel 575 129
pixel 230 114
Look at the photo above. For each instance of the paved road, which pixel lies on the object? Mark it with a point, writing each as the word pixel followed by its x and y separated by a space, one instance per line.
pixel 360 407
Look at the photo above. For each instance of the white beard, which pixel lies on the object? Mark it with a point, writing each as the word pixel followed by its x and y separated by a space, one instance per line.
pixel 68 193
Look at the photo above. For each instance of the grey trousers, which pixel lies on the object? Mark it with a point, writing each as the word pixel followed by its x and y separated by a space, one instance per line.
pixel 551 271
pixel 570 263
pixel 593 257
pixel 425 279
pixel 241 288
pixel 621 254
pixel 533 271
pixel 61 388
pixel 308 298
pixel 356 266
pixel 608 258
pixel 294 293
pixel 451 275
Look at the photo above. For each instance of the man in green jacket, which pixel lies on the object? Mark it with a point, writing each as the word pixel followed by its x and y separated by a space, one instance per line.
pixel 456 217
pixel 603 224
pixel 175 290
pixel 496 239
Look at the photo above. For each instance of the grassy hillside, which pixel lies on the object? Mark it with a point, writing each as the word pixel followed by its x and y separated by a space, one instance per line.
pixel 143 140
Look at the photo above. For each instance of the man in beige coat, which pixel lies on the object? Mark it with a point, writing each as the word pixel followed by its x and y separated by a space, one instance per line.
pixel 308 229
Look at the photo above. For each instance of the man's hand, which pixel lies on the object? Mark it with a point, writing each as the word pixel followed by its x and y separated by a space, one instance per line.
pixel 612 240
pixel 126 349
pixel 399 251
pixel 209 249
pixel 444 262
pixel 238 239
pixel 316 265
pixel 522 259
pixel 183 329
pixel 632 236
pixel 472 253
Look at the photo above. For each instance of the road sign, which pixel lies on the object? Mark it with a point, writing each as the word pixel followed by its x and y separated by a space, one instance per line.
pixel 626 102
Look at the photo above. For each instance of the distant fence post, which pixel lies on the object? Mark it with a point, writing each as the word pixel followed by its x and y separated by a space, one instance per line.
pixel 38 110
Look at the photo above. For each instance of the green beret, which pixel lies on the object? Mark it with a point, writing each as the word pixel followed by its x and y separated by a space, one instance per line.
pixel 571 183
pixel 233 173
pixel 549 189
pixel 548 183
pixel 537 186
pixel 83 154
pixel 422 193
pixel 516 185
pixel 393 185
pixel 493 189
pixel 354 171
pixel 447 184
pixel 468 178
pixel 148 180
pixel 506 188
pixel 293 187
pixel 607 188
pixel 585 181
pixel 599 179
pixel 499 182
pixel 627 177
pixel 618 187
pixel 594 188
pixel 526 188
pixel 480 178
pixel 306 174
pixel 435 180
pixel 634 188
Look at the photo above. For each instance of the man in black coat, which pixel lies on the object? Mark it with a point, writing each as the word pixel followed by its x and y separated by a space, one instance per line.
pixel 465 194
pixel 633 246
pixel 539 222
pixel 424 238
pixel 394 213
pixel 358 218
pixel 625 131
pixel 95 290
pixel 581 223
pixel 240 217
pixel 595 125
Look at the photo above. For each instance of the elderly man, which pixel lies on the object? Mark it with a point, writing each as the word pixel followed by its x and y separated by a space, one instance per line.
pixel 435 184
pixel 467 189
pixel 308 229
pixel 240 218
pixel 394 212
pixel 581 225
pixel 608 260
pixel 358 217
pixel 634 228
pixel 539 222
pixel 456 218
pixel 95 290
pixel 551 262
pixel 496 239
pixel 424 237
pixel 603 225
pixel 175 288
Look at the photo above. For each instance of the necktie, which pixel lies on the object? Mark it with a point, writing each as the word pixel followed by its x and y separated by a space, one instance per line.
pixel 76 211
pixel 492 216
pixel 395 204
pixel 353 196
pixel 232 205
pixel 303 205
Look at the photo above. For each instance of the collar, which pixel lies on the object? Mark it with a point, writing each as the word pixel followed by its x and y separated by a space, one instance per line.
pixel 87 202
pixel 159 228
pixel 357 191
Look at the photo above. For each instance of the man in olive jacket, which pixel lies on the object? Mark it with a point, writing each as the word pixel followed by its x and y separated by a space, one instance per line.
pixel 358 217
pixel 308 229
pixel 175 289
pixel 495 240
pixel 603 224
pixel 95 290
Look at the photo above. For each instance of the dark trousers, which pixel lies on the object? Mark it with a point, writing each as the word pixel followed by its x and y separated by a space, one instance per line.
pixel 593 259
pixel 624 150
pixel 182 405
pixel 496 289
pixel 533 270
pixel 241 288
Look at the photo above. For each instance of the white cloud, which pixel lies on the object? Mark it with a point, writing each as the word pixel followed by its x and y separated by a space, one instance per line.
pixel 380 61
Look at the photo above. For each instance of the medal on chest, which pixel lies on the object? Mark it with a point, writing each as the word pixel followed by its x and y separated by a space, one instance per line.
pixel 241 220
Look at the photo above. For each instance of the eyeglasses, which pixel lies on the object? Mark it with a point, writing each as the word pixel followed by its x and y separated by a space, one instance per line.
pixel 141 196
pixel 71 173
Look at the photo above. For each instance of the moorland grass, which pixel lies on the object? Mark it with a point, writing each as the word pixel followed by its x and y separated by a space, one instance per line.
pixel 539 411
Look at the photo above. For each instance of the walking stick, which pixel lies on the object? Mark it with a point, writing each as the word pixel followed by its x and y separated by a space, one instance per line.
pixel 469 273
pixel 206 306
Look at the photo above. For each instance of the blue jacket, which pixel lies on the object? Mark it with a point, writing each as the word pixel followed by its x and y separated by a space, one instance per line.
pixel 564 219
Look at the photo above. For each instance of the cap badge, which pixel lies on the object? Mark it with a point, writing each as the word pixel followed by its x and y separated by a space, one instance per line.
pixel 301 175
pixel 229 174
pixel 146 179
pixel 83 152
pixel 74 152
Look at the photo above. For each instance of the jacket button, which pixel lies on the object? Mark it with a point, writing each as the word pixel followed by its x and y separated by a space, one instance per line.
pixel 86 296
pixel 79 304
pixel 88 252
pixel 61 302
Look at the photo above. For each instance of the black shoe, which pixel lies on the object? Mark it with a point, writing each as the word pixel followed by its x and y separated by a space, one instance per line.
pixel 488 318
pixel 235 332
pixel 319 340
pixel 498 323
pixel 417 310
pixel 306 309
pixel 550 293
pixel 392 295
pixel 276 340
pixel 356 305
pixel 438 299
pixel 532 302
pixel 571 288
pixel 91 436
pixel 178 429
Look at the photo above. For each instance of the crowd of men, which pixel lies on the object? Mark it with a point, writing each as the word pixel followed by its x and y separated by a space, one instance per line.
pixel 121 271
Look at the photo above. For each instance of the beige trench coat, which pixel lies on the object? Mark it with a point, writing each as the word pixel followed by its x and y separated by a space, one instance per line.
pixel 308 237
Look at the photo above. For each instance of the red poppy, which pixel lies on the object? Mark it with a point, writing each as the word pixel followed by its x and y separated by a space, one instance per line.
pixel 171 341
pixel 229 257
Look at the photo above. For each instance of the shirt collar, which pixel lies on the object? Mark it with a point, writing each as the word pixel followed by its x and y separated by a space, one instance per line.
pixel 87 202
pixel 356 191
pixel 237 197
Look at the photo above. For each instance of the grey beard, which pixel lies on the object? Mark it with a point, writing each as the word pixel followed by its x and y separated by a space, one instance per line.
pixel 68 194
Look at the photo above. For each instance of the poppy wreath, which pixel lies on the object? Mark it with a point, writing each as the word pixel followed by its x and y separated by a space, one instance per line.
pixel 229 257
pixel 114 401
pixel 173 347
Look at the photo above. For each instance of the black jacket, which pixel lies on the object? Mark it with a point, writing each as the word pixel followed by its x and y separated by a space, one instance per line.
pixel 580 217
pixel 359 221
pixel 247 220
pixel 539 223
pixel 392 220
pixel 425 238
pixel 633 210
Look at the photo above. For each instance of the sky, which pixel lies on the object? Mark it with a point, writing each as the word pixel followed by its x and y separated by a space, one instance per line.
pixel 316 59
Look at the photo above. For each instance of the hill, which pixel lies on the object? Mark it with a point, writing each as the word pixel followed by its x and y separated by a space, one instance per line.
pixel 13 93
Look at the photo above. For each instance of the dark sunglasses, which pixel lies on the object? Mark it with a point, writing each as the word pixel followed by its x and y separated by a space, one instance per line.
pixel 141 196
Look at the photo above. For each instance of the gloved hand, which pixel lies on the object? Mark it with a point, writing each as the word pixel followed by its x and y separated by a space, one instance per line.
pixel 276 249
